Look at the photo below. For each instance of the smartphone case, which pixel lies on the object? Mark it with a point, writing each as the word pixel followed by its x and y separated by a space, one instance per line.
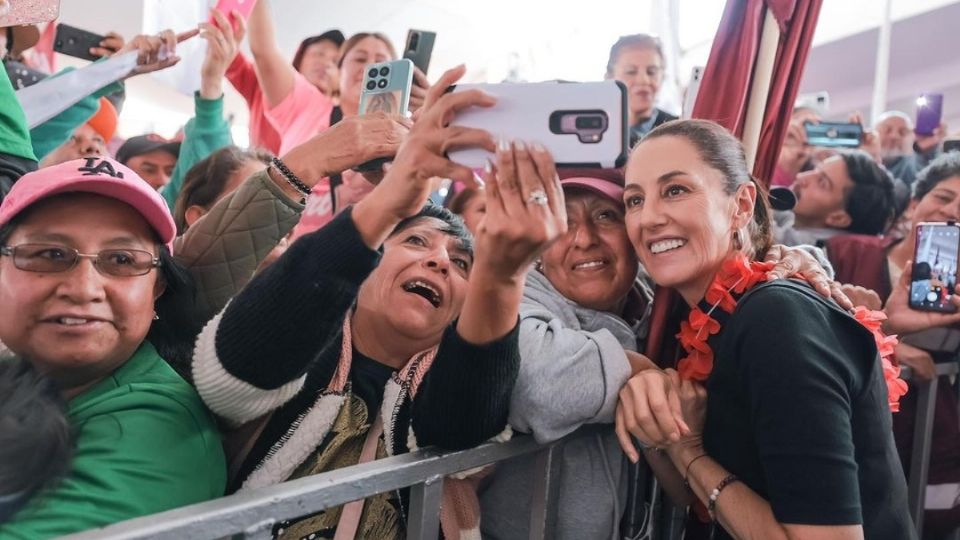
pixel 76 42
pixel 934 274
pixel 391 92
pixel 929 114
pixel 528 112
pixel 419 48
pixel 244 7
pixel 32 12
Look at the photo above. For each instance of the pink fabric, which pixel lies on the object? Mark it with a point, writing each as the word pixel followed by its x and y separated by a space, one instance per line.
pixel 301 115
pixel 243 76
pixel 319 209
pixel 598 185
pixel 102 176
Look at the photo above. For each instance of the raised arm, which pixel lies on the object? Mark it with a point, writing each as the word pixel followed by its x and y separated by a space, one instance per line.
pixel 273 70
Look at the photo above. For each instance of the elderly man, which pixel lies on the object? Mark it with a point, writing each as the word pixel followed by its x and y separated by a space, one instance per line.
pixel 905 152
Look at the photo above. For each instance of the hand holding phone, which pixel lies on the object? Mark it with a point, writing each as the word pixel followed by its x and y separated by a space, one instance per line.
pixel 386 88
pixel 79 43
pixel 933 278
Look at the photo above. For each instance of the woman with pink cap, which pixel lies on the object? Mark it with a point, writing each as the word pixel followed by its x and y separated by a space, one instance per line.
pixel 91 298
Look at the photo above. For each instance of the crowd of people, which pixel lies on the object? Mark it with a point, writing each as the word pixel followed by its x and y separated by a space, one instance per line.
pixel 185 319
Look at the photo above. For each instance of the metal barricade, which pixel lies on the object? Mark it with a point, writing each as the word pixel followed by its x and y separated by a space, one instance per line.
pixel 922 437
pixel 253 514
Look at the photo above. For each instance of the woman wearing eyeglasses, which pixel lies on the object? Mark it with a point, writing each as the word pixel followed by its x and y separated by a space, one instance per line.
pixel 90 296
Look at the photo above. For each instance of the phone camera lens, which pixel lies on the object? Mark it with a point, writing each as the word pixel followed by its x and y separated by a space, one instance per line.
pixel 372 73
pixel 382 83
pixel 384 71
pixel 589 122
pixel 371 85
pixel 414 41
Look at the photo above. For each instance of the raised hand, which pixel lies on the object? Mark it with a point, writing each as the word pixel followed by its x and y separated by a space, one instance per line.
pixel 157 52
pixel 422 156
pixel 223 43
pixel 525 209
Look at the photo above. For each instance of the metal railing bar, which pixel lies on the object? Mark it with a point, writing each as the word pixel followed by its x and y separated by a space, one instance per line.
pixel 543 507
pixel 423 522
pixel 235 513
pixel 922 438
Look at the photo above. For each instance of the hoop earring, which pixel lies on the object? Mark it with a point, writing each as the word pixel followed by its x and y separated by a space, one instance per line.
pixel 737 241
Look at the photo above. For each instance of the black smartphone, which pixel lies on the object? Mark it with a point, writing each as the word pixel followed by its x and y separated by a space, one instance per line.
pixel 934 276
pixel 834 134
pixel 76 42
pixel 419 48
pixel 951 145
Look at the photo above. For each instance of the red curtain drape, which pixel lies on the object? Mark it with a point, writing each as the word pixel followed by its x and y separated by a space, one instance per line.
pixel 724 98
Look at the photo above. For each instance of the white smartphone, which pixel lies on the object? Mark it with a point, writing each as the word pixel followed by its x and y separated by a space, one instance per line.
pixel 581 124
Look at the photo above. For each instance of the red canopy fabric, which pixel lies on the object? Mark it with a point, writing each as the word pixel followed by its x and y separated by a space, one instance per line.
pixel 724 98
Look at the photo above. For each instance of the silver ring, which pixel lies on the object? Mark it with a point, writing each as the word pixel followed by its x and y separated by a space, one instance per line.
pixel 538 197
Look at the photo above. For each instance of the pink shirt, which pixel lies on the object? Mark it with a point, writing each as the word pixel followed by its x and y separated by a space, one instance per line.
pixel 319 208
pixel 243 76
pixel 301 115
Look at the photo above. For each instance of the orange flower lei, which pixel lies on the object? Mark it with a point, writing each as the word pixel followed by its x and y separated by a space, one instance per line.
pixel 736 276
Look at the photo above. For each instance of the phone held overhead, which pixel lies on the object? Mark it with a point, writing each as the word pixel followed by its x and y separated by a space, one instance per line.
pixel 419 48
pixel 581 124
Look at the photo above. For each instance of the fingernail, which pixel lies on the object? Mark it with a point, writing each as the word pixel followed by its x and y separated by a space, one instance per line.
pixel 503 145
pixel 479 180
pixel 520 147
pixel 488 166
pixel 537 147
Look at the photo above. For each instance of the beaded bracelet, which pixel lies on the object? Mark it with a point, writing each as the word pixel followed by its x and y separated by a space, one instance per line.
pixel 290 177
pixel 712 506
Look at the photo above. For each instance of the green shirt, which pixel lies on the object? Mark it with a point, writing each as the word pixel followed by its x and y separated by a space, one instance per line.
pixel 144 444
pixel 14 136
pixel 203 135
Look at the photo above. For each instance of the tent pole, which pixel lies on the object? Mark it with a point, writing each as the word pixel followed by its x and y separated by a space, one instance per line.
pixel 760 86
pixel 881 74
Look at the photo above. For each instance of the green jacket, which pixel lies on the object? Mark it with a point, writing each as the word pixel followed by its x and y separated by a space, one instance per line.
pixel 203 135
pixel 145 443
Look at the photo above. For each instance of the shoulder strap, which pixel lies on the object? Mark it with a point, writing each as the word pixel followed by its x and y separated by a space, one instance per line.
pixel 336 115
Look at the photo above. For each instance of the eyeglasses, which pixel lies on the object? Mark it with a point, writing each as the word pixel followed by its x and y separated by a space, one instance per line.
pixel 51 258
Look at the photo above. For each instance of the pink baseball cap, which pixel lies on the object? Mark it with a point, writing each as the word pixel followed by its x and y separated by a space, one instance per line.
pixel 97 175
pixel 605 182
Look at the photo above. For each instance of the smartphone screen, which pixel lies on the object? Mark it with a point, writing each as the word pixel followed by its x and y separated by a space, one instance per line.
pixel 834 134
pixel 934 275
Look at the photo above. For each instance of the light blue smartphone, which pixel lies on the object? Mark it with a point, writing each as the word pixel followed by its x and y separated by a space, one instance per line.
pixel 386 87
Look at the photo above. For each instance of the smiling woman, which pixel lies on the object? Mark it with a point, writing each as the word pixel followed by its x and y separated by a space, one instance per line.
pixel 784 393
pixel 84 264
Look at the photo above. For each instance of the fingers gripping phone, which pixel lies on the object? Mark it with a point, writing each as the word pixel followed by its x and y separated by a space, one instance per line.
pixel 244 7
pixel 934 276
pixel 834 134
pixel 76 42
pixel 386 88
pixel 419 48
pixel 580 124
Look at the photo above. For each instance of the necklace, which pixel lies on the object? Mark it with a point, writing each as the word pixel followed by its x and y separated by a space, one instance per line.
pixel 738 275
